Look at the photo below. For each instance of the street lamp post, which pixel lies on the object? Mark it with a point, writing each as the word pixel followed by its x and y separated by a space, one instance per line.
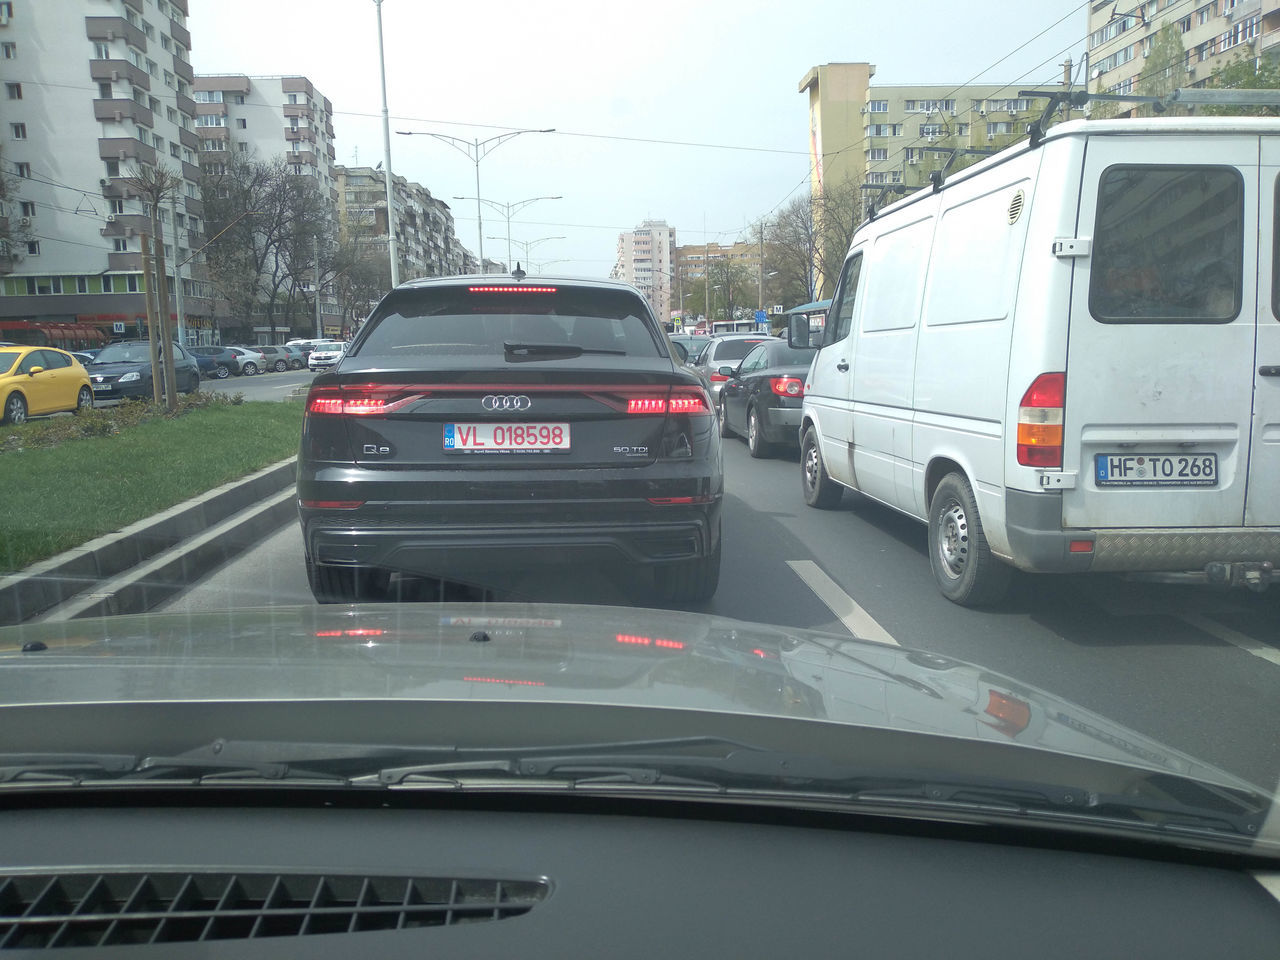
pixel 527 244
pixel 386 159
pixel 507 210
pixel 476 150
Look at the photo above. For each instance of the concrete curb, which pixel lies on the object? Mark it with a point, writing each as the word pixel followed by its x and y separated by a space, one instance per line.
pixel 46 584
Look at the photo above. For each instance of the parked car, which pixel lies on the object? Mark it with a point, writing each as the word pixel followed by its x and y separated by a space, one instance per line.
pixel 83 357
pixel 727 349
pixel 763 398
pixel 224 361
pixel 565 394
pixel 123 370
pixel 249 361
pixel 39 380
pixel 277 358
pixel 325 353
pixel 297 356
pixel 1023 360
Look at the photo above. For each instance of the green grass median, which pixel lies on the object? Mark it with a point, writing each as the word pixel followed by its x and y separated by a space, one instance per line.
pixel 65 481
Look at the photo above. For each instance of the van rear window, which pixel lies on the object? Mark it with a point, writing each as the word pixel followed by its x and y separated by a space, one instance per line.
pixel 1168 245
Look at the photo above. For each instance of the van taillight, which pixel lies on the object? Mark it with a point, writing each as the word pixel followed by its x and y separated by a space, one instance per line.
pixel 1040 421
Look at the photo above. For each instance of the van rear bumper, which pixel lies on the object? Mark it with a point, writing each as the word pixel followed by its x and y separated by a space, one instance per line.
pixel 1038 543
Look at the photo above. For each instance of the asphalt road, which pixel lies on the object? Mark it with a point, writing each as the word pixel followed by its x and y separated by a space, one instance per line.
pixel 1196 669
pixel 262 386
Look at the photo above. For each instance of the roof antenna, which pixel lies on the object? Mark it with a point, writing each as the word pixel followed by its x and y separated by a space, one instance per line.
pixel 518 273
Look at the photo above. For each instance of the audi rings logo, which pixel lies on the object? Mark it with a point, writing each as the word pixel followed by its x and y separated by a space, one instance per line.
pixel 508 402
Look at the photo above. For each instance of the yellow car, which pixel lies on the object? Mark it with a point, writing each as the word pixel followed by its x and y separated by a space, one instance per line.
pixel 36 380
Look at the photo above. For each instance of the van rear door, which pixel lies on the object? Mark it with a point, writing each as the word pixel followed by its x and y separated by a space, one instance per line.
pixel 1163 319
pixel 1262 502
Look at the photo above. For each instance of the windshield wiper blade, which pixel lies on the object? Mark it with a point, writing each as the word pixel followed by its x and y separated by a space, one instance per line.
pixel 517 352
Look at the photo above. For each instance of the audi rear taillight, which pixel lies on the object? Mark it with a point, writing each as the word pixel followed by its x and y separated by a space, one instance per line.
pixel 686 401
pixel 1040 419
pixel 359 401
pixel 787 386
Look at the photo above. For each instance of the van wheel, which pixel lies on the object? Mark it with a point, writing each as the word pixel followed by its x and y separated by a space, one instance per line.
pixel 965 568
pixel 819 489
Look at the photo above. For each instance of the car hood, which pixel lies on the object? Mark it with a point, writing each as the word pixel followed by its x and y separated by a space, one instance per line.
pixel 548 653
pixel 117 369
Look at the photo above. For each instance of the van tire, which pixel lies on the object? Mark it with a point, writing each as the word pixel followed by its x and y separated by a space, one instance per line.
pixel 819 489
pixel 966 570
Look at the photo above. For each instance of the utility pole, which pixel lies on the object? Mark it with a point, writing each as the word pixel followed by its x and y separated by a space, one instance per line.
pixel 315 247
pixel 162 300
pixel 760 306
pixel 148 289
pixel 479 216
pixel 177 273
pixel 392 252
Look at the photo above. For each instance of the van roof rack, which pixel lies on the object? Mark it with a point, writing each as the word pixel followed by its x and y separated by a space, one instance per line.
pixel 1186 96
pixel 881 191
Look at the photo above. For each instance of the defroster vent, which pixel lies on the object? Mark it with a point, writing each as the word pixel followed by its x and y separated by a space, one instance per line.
pixel 101 909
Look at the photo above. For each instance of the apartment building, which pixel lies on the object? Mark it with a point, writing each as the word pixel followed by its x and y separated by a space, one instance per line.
pixel 691 258
pixel 645 259
pixel 1213 34
pixel 90 91
pixel 425 238
pixel 267 117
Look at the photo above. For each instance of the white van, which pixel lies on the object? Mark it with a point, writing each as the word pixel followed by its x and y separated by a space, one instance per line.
pixel 1067 358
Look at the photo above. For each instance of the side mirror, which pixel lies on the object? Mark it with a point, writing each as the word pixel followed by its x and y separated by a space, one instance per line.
pixel 681 352
pixel 727 371
pixel 799 332
pixel 34 370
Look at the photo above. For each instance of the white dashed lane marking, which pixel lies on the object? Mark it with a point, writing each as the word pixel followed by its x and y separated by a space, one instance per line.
pixel 856 620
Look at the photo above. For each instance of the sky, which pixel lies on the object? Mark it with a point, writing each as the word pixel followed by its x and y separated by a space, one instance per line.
pixel 686 112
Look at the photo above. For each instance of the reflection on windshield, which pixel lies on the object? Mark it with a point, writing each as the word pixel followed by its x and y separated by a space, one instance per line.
pixel 120 353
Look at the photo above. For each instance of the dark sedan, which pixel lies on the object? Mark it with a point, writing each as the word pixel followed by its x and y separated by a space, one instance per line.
pixel 479 423
pixel 122 371
pixel 763 396
pixel 215 362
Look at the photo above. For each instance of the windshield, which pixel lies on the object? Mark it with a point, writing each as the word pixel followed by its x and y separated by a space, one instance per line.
pixel 124 353
pixel 971 468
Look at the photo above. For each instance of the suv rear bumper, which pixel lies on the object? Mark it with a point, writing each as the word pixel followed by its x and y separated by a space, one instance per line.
pixel 551 536
pixel 1038 542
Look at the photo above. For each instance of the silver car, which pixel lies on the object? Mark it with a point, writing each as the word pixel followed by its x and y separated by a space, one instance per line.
pixel 724 351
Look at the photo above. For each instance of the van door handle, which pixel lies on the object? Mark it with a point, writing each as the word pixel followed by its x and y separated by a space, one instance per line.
pixel 1270 370
pixel 843 366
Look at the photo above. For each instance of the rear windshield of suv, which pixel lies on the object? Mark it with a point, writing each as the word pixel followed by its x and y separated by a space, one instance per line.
pixel 454 321
pixel 734 349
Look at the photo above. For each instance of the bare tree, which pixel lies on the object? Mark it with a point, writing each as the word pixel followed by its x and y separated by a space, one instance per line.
pixel 809 236
pixel 12 232
pixel 157 185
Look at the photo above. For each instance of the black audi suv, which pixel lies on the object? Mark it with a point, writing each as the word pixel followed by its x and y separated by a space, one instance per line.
pixel 481 424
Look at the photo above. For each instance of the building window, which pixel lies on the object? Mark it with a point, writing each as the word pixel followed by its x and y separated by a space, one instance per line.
pixel 168 78
pixel 879 106
pixel 152 68
pixel 175 151
pixel 104 91
pixel 877 178
pixel 211 121
pixel 934 130
pixel 242 147
pixel 18 131
pixel 121 245
pixel 165 42
pixel 22 170
pixel 240 99
pixel 208 96
pixel 31 286
pixel 293 98
pixel 1184 25
pixel 101 51
pixel 13 91
pixel 117 206
pixel 6 9
pixel 113 168
pixel 131 283
pixel 28 208
pixel 878 153
pixel 82 284
pixel 9 50
pixel 242 123
pixel 33 248
pixel 895 176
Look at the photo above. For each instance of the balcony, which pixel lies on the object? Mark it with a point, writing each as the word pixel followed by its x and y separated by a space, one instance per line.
pixel 211 109
pixel 113 71
pixel 190 172
pixel 183 69
pixel 195 207
pixel 1243 11
pixel 299 110
pixel 124 262
pixel 119 110
pixel 112 28
pixel 330 152
pixel 137 5
pixel 180 33
pixel 119 188
pixel 301 156
pixel 1268 41
pixel 300 133
pixel 186 105
pixel 188 139
pixel 297 85
pixel 125 148
pixel 328 129
pixel 126 225
pixel 214 133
